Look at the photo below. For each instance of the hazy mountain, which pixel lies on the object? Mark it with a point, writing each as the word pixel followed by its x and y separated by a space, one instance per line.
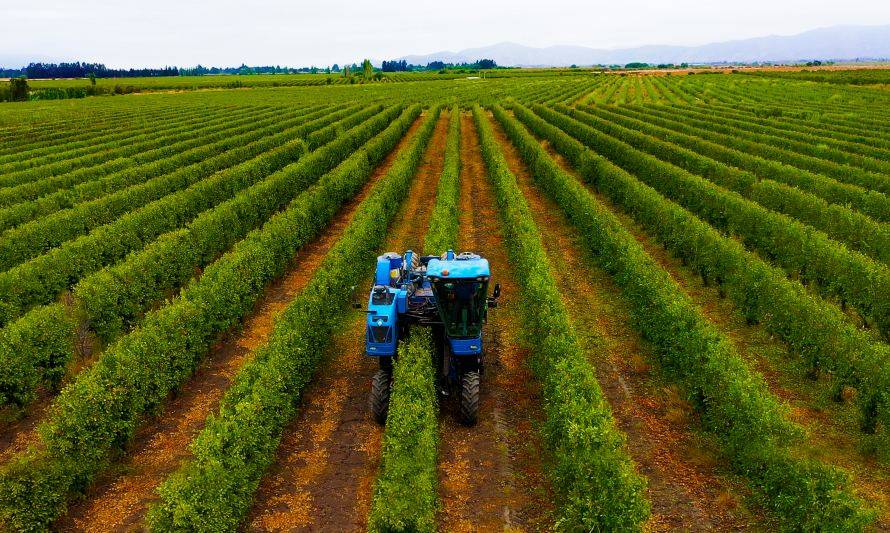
pixel 834 43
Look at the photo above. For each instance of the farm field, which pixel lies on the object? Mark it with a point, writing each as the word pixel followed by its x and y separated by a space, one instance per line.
pixel 693 332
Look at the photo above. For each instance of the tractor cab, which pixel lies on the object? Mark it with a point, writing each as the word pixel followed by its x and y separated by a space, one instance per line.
pixel 460 285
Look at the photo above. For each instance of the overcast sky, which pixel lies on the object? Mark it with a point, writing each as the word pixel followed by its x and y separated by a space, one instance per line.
pixel 301 33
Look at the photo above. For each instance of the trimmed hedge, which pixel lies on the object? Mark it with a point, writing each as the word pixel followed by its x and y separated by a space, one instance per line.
pixel 751 424
pixel 113 298
pixel 444 223
pixel 853 229
pixel 96 415
pixel 595 481
pixel 39 236
pixel 120 149
pixel 160 161
pixel 724 148
pixel 828 266
pixel 405 491
pixel 213 491
pixel 818 332
pixel 41 279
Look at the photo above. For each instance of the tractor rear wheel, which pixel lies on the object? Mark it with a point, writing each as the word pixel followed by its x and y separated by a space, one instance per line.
pixel 381 386
pixel 469 398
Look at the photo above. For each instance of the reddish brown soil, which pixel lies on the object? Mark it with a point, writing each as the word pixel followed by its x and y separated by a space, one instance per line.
pixel 491 474
pixel 328 459
pixel 686 488
pixel 20 430
pixel 120 500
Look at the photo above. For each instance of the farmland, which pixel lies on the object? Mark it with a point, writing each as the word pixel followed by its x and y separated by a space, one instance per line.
pixel 694 331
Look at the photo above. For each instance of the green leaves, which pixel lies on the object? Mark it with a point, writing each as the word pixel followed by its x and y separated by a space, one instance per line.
pixel 595 480
pixel 734 402
pixel 405 492
pixel 232 452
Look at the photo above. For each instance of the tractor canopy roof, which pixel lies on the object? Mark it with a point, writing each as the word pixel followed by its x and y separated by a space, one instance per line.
pixel 464 266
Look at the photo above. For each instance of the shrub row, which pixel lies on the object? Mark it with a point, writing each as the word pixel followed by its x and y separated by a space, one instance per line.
pixel 816 146
pixel 19 193
pixel 160 133
pixel 51 195
pixel 871 203
pixel 54 130
pixel 169 175
pixel 74 136
pixel 216 487
pixel 755 144
pixel 113 298
pixel 405 496
pixel 35 141
pixel 96 415
pixel 819 333
pixel 41 279
pixel 735 403
pixel 829 267
pixel 40 140
pixel 124 149
pixel 592 474
pixel 405 491
pixel 852 228
pixel 852 141
pixel 444 224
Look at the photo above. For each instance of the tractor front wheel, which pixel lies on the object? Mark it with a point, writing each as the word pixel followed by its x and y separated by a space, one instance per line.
pixel 381 386
pixel 469 398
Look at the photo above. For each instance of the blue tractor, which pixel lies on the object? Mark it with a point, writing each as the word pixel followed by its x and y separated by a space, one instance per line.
pixel 447 293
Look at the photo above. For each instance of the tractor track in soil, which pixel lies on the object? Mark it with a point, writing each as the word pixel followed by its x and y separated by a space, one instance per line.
pixel 119 500
pixel 328 458
pixel 833 434
pixel 685 483
pixel 490 475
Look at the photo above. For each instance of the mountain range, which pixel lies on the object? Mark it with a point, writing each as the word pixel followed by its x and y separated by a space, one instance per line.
pixel 833 43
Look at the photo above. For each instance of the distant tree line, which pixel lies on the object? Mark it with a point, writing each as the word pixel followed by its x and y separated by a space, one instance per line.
pixel 404 66
pixel 82 70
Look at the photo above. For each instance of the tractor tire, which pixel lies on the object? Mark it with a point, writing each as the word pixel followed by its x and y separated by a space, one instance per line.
pixel 469 398
pixel 381 387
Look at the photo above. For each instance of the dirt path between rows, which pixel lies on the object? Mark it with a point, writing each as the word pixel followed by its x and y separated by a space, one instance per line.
pixel 491 474
pixel 686 488
pixel 329 455
pixel 120 500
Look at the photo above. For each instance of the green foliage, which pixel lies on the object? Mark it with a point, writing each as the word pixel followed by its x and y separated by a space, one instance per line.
pixel 594 478
pixel 113 298
pixel 18 89
pixel 729 150
pixel 852 228
pixel 829 267
pixel 734 402
pixel 215 489
pixel 444 222
pixel 405 492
